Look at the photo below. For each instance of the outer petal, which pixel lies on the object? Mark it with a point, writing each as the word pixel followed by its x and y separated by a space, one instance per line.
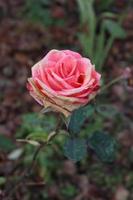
pixel 72 53
pixel 85 67
pixel 54 55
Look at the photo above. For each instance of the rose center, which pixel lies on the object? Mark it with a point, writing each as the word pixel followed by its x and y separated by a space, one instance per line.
pixel 81 78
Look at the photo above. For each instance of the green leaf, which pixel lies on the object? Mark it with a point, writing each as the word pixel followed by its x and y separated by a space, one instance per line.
pixel 108 15
pixel 115 29
pixel 75 149
pixel 36 125
pixel 88 18
pixel 39 136
pixel 104 146
pixel 100 45
pixel 78 118
pixel 2 180
pixel 6 144
pixel 37 11
pixel 69 191
pixel 105 4
pixel 107 110
pixel 93 126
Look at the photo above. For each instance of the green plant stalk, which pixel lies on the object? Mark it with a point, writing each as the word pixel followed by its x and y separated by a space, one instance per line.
pixel 28 171
pixel 106 51
pixel 82 11
pixel 117 79
pixel 109 45
pixel 106 4
pixel 91 26
pixel 99 47
pixel 87 17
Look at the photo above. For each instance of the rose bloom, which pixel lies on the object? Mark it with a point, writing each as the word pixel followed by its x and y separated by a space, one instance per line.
pixel 63 81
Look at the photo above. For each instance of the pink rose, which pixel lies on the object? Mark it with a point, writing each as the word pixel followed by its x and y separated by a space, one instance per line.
pixel 63 81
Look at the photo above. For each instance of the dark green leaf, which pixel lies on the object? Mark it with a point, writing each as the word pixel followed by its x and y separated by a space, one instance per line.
pixel 38 136
pixel 2 180
pixel 103 145
pixel 5 143
pixel 33 123
pixel 105 4
pixel 78 118
pixel 107 110
pixel 115 29
pixel 75 149
pixel 108 15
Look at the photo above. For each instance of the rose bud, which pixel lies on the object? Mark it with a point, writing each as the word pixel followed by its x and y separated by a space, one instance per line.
pixel 63 81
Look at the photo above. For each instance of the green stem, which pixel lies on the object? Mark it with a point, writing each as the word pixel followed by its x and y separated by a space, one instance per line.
pixel 99 48
pixel 88 18
pixel 107 49
pixel 119 78
pixel 9 193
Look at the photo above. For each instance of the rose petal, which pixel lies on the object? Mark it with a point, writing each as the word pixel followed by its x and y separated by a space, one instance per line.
pixel 54 55
pixel 66 66
pixel 61 81
pixel 39 100
pixel 85 67
pixel 53 83
pixel 46 88
pixel 67 92
pixel 72 53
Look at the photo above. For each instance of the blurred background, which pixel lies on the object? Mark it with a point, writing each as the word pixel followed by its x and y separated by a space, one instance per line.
pixel 99 29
